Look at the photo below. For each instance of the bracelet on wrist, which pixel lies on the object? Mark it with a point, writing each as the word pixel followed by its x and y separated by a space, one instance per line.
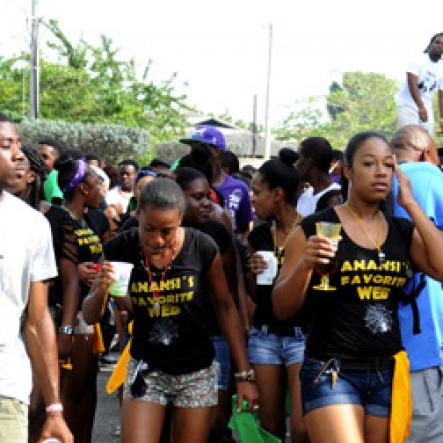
pixel 67 330
pixel 54 407
pixel 248 375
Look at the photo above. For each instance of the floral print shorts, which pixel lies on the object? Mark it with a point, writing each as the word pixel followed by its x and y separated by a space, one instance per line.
pixel 194 390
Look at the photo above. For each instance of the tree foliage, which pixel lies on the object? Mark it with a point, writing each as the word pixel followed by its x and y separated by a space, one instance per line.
pixel 92 84
pixel 361 102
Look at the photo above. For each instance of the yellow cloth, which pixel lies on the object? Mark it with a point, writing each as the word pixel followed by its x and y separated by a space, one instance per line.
pixel 67 365
pixel 98 347
pixel 401 401
pixel 118 376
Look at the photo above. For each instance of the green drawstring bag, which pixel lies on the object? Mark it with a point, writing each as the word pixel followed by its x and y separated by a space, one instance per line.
pixel 246 425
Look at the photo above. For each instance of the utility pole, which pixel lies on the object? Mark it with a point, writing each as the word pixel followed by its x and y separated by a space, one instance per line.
pixel 267 154
pixel 254 126
pixel 34 65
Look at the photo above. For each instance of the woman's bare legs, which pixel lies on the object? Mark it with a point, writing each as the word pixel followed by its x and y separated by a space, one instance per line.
pixel 298 428
pixel 376 429
pixel 191 425
pixel 343 423
pixel 79 389
pixel 271 385
pixel 142 422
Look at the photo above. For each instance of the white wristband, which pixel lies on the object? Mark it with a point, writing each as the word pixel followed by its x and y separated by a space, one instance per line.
pixel 54 407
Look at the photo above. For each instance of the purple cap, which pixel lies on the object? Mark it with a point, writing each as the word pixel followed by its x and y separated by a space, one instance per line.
pixel 208 135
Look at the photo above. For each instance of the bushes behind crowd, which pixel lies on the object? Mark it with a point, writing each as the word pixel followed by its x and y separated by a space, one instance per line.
pixel 112 142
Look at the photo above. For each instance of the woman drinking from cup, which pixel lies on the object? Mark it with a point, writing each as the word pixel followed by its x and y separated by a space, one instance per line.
pixel 354 359
pixel 172 357
pixel 276 348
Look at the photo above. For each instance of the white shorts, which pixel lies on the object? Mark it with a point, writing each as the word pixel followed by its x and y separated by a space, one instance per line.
pixel 408 115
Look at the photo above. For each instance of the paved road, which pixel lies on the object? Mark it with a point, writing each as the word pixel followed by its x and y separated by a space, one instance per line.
pixel 108 414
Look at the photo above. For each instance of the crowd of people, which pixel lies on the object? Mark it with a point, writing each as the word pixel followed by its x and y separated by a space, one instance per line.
pixel 313 281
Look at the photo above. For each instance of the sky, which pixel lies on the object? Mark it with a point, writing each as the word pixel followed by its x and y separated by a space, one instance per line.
pixel 220 49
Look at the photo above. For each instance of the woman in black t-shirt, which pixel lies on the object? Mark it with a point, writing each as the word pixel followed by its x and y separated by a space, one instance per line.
pixel 276 348
pixel 172 356
pixel 77 230
pixel 198 214
pixel 347 373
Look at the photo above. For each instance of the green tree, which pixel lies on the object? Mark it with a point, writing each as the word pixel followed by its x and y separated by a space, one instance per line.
pixel 361 102
pixel 92 84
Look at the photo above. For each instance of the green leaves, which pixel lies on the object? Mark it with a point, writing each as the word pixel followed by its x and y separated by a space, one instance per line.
pixel 91 84
pixel 362 101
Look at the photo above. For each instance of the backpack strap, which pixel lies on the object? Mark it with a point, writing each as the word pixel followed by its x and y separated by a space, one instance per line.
pixel 411 299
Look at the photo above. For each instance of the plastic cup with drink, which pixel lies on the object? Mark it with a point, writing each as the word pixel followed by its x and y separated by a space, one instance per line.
pixel 267 276
pixel 122 273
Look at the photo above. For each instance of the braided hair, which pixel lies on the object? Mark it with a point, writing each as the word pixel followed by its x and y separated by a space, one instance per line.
pixel 37 165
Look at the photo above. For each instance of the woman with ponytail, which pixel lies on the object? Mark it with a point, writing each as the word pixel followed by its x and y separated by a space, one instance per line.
pixel 276 348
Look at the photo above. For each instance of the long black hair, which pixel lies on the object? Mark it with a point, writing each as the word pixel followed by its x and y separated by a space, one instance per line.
pixel 37 165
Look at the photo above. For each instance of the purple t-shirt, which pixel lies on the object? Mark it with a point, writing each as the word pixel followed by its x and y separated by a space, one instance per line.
pixel 236 196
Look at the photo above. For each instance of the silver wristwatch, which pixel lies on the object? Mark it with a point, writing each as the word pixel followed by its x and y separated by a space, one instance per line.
pixel 68 330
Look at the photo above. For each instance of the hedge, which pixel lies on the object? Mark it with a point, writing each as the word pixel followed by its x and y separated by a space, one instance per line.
pixel 110 142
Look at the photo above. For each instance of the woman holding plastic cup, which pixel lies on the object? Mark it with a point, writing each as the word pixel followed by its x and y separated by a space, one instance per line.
pixel 78 230
pixel 276 348
pixel 172 357
pixel 355 376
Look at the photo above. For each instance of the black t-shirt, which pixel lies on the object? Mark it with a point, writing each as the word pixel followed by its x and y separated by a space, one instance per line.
pixel 261 239
pixel 218 233
pixel 359 319
pixel 222 238
pixel 127 222
pixel 174 338
pixel 76 240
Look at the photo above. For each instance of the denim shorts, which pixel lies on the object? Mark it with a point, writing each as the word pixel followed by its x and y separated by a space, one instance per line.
pixel 193 390
pixel 368 388
pixel 265 348
pixel 223 358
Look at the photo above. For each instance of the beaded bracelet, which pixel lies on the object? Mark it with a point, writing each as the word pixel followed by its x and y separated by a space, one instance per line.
pixel 54 407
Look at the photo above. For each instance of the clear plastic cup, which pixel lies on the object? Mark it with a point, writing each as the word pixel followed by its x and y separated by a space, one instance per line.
pixel 122 274
pixel 266 278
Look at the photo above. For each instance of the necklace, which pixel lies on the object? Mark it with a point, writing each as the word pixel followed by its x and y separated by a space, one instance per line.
pixel 279 250
pixel 377 244
pixel 156 294
pixel 82 221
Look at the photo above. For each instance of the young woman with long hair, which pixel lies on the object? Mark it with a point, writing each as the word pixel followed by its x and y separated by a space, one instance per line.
pixel 353 350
